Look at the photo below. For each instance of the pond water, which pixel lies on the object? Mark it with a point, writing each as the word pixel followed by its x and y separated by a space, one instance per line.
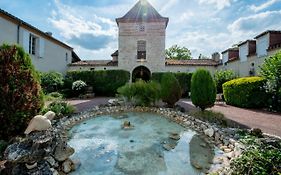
pixel 150 147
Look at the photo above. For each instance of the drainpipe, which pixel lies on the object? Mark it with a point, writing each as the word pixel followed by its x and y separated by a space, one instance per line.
pixel 18 33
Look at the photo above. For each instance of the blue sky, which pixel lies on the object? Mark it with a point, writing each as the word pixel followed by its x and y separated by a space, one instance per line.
pixel 203 26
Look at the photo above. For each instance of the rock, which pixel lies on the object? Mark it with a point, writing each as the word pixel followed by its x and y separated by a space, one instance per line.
pixel 229 154
pixel 256 132
pixel 217 136
pixel 76 164
pixel 209 132
pixel 52 162
pixel 67 166
pixel 227 150
pixel 169 146
pixel 203 145
pixel 127 125
pixel 225 142
pixel 31 166
pixel 63 152
pixel 196 165
pixel 174 136
pixel 40 123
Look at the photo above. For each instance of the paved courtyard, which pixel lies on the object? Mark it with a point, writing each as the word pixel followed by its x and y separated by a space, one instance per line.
pixel 269 122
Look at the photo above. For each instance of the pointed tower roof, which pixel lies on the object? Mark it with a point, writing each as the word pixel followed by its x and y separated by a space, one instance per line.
pixel 143 11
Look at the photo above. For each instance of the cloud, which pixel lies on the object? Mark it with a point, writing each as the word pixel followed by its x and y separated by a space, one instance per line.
pixel 263 6
pixel 256 23
pixel 92 34
pixel 220 4
pixel 91 42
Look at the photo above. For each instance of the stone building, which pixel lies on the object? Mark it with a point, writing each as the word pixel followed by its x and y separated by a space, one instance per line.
pixel 141 47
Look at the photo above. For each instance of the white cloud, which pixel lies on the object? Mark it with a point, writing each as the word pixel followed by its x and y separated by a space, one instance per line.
pixel 90 35
pixel 220 4
pixel 186 16
pixel 168 5
pixel 263 6
pixel 256 23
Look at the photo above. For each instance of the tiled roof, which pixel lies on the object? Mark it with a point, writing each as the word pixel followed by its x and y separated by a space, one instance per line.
pixel 232 59
pixel 115 53
pixel 246 42
pixel 95 63
pixel 23 23
pixel 268 31
pixel 231 49
pixel 143 11
pixel 192 62
pixel 275 46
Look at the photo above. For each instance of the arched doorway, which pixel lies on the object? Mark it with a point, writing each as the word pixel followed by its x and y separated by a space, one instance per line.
pixel 142 73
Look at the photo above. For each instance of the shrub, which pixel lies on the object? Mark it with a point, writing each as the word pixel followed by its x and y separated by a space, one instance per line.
pixel 79 87
pixel 258 158
pixel 3 146
pixel 170 89
pixel 271 71
pixel 141 93
pixel 53 96
pixel 223 76
pixel 245 92
pixel 60 108
pixel 20 91
pixel 104 83
pixel 203 89
pixel 183 78
pixel 51 81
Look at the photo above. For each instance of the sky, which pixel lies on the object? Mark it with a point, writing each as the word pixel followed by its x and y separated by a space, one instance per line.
pixel 203 26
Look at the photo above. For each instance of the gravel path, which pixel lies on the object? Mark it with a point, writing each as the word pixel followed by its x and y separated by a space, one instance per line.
pixel 269 122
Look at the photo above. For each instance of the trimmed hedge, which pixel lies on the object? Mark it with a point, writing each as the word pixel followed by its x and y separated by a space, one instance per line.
pixel 170 89
pixel 104 83
pixel 245 92
pixel 183 78
pixel 203 89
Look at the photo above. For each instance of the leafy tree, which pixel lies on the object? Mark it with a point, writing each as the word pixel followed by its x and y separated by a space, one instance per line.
pixel 203 89
pixel 170 89
pixel 223 76
pixel 20 91
pixel 271 71
pixel 178 53
pixel 51 81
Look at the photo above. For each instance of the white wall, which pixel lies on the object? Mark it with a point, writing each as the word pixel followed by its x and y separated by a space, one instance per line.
pixel 50 55
pixel 8 32
pixel 243 52
pixel 224 57
pixel 262 45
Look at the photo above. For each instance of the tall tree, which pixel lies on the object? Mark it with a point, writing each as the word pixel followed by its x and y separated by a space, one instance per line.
pixel 178 53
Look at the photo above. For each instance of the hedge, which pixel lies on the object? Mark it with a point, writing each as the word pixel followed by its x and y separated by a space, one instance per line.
pixel 183 78
pixel 104 83
pixel 245 92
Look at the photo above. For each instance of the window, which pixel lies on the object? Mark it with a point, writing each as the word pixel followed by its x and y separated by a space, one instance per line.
pixel 66 57
pixel 141 28
pixel 32 44
pixel 141 52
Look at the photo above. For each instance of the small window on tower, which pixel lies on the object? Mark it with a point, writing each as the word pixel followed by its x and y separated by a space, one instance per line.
pixel 141 28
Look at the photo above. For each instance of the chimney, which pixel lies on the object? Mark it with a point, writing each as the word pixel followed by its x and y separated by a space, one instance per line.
pixel 216 56
pixel 49 33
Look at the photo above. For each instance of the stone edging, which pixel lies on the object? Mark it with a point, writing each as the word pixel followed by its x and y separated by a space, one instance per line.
pixel 221 138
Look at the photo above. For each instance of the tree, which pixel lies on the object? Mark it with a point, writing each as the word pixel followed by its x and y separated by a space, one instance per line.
pixel 203 89
pixel 178 53
pixel 170 89
pixel 20 91
pixel 271 71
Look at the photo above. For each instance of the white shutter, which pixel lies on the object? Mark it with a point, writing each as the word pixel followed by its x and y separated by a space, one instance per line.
pixel 41 47
pixel 25 41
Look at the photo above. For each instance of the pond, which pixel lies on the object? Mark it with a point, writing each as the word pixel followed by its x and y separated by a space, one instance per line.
pixel 151 145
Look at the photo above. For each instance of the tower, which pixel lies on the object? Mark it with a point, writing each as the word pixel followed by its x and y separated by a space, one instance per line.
pixel 141 42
